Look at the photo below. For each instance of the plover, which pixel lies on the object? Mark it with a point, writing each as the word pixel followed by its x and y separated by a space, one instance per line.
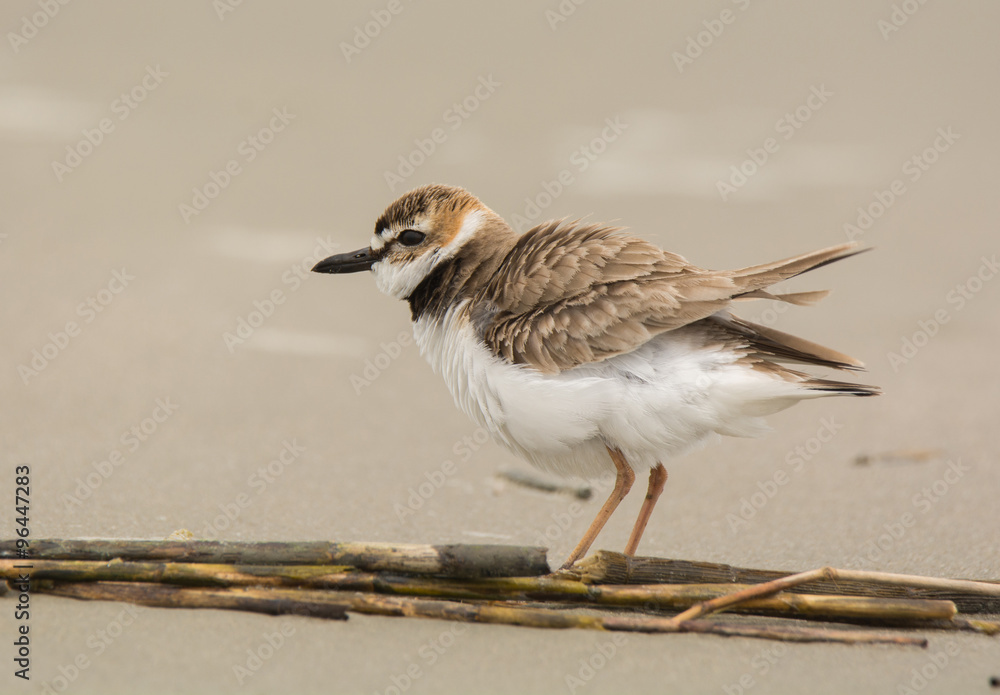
pixel 584 349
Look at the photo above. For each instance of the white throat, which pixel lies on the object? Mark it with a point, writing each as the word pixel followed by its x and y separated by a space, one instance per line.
pixel 399 280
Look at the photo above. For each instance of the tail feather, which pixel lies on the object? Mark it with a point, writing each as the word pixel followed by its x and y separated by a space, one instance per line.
pixel 785 346
pixel 809 386
pixel 841 388
pixel 770 347
pixel 762 276
pixel 796 298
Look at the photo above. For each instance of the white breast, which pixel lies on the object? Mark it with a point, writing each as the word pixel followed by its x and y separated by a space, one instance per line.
pixel 659 401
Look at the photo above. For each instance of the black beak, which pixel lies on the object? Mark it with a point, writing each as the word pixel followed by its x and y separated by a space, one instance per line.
pixel 352 262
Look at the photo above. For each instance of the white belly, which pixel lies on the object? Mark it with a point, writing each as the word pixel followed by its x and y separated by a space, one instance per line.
pixel 654 403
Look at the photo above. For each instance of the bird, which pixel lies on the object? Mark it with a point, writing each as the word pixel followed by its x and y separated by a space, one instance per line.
pixel 585 349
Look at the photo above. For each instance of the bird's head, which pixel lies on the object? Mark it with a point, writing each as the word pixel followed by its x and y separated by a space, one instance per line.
pixel 416 233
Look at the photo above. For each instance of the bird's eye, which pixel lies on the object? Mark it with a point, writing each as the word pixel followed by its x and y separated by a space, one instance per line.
pixel 410 237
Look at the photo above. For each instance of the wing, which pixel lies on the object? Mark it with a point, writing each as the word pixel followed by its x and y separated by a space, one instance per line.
pixel 568 294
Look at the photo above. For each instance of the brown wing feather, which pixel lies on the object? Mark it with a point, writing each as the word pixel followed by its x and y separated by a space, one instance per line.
pixel 784 346
pixel 568 294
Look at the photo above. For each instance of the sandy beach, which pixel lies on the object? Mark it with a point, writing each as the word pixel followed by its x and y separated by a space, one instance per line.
pixel 172 171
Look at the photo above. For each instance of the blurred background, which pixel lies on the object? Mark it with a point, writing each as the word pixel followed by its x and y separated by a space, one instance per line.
pixel 172 171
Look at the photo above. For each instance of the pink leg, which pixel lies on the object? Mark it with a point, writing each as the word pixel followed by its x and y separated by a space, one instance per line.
pixel 657 479
pixel 623 483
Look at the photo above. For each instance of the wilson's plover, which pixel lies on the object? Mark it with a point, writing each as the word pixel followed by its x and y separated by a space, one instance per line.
pixel 582 348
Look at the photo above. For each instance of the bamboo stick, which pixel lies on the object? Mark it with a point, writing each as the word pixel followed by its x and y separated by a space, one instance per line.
pixel 167 596
pixel 181 573
pixel 745 595
pixel 606 567
pixel 443 560
pixel 470 573
pixel 656 597
pixel 757 591
pixel 319 604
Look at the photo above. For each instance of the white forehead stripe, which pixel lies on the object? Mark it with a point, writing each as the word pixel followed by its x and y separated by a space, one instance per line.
pixel 470 225
pixel 380 240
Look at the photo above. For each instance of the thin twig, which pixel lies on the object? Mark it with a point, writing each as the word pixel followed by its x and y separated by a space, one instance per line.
pixel 751 592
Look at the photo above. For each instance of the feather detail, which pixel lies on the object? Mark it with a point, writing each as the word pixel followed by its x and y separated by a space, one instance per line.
pixel 568 294
pixel 796 298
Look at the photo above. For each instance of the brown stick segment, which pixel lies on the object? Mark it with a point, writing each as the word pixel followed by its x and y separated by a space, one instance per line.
pixel 444 560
